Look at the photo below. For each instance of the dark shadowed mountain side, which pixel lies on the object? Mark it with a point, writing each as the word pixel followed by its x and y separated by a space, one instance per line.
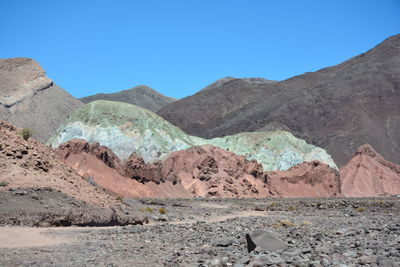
pixel 338 108
pixel 29 99
pixel 222 81
pixel 142 96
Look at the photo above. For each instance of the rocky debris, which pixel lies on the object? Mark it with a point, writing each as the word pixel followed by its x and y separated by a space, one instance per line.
pixel 309 179
pixel 191 238
pixel 369 174
pixel 48 207
pixel 264 240
pixel 327 108
pixel 29 163
pixel 142 96
pixel 127 129
pixel 29 99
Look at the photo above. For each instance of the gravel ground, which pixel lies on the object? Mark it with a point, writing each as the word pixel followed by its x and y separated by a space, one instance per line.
pixel 211 232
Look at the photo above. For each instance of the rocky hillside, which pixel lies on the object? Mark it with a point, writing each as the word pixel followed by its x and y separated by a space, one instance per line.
pixel 38 189
pixel 205 171
pixel 221 82
pixel 369 174
pixel 337 108
pixel 31 100
pixel 142 96
pixel 126 128
pixel 29 163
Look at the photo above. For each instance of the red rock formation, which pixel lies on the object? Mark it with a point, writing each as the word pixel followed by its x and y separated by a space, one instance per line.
pixel 197 171
pixel 369 174
pixel 211 171
pixel 309 179
pixel 132 179
pixel 136 168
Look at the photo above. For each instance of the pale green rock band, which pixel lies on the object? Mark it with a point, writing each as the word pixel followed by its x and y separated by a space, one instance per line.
pixel 126 128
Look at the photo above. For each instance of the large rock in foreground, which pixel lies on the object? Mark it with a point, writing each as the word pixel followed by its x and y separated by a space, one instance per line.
pixel 369 174
pixel 29 99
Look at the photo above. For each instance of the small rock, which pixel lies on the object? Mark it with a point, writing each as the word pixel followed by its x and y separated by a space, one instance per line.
pixel 349 253
pixel 225 242
pixel 368 259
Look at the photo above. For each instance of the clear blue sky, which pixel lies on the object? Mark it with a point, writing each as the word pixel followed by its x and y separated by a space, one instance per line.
pixel 178 47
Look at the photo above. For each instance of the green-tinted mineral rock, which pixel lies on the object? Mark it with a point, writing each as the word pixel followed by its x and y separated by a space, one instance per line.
pixel 126 128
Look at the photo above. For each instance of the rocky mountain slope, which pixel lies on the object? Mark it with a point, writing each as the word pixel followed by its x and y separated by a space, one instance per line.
pixel 30 172
pixel 369 174
pixel 31 100
pixel 142 96
pixel 126 128
pixel 205 171
pixel 221 82
pixel 337 108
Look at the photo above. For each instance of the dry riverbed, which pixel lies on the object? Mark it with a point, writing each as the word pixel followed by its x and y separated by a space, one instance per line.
pixel 211 232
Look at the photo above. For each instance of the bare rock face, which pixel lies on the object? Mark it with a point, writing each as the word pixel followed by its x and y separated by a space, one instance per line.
pixel 309 179
pixel 136 168
pixel 206 171
pixel 103 153
pixel 29 163
pixel 211 171
pixel 369 174
pixel 29 99
pixel 337 108
pixel 21 78
pixel 132 178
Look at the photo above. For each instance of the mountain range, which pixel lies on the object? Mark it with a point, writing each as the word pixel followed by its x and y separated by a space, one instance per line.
pixel 337 108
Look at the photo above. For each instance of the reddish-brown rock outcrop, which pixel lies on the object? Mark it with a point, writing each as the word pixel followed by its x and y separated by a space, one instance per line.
pixel 133 178
pixel 211 171
pixel 309 179
pixel 198 171
pixel 369 174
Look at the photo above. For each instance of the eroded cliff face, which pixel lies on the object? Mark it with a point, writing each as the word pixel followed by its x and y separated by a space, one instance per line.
pixel 29 99
pixel 205 171
pixel 369 174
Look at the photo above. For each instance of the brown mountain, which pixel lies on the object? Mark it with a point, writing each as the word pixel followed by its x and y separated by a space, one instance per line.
pixel 142 96
pixel 29 99
pixel 338 108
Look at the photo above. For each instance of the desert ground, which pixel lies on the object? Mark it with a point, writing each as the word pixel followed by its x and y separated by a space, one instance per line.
pixel 212 232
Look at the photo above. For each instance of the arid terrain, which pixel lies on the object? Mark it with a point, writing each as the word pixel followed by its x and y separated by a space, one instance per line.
pixel 246 172
pixel 212 232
